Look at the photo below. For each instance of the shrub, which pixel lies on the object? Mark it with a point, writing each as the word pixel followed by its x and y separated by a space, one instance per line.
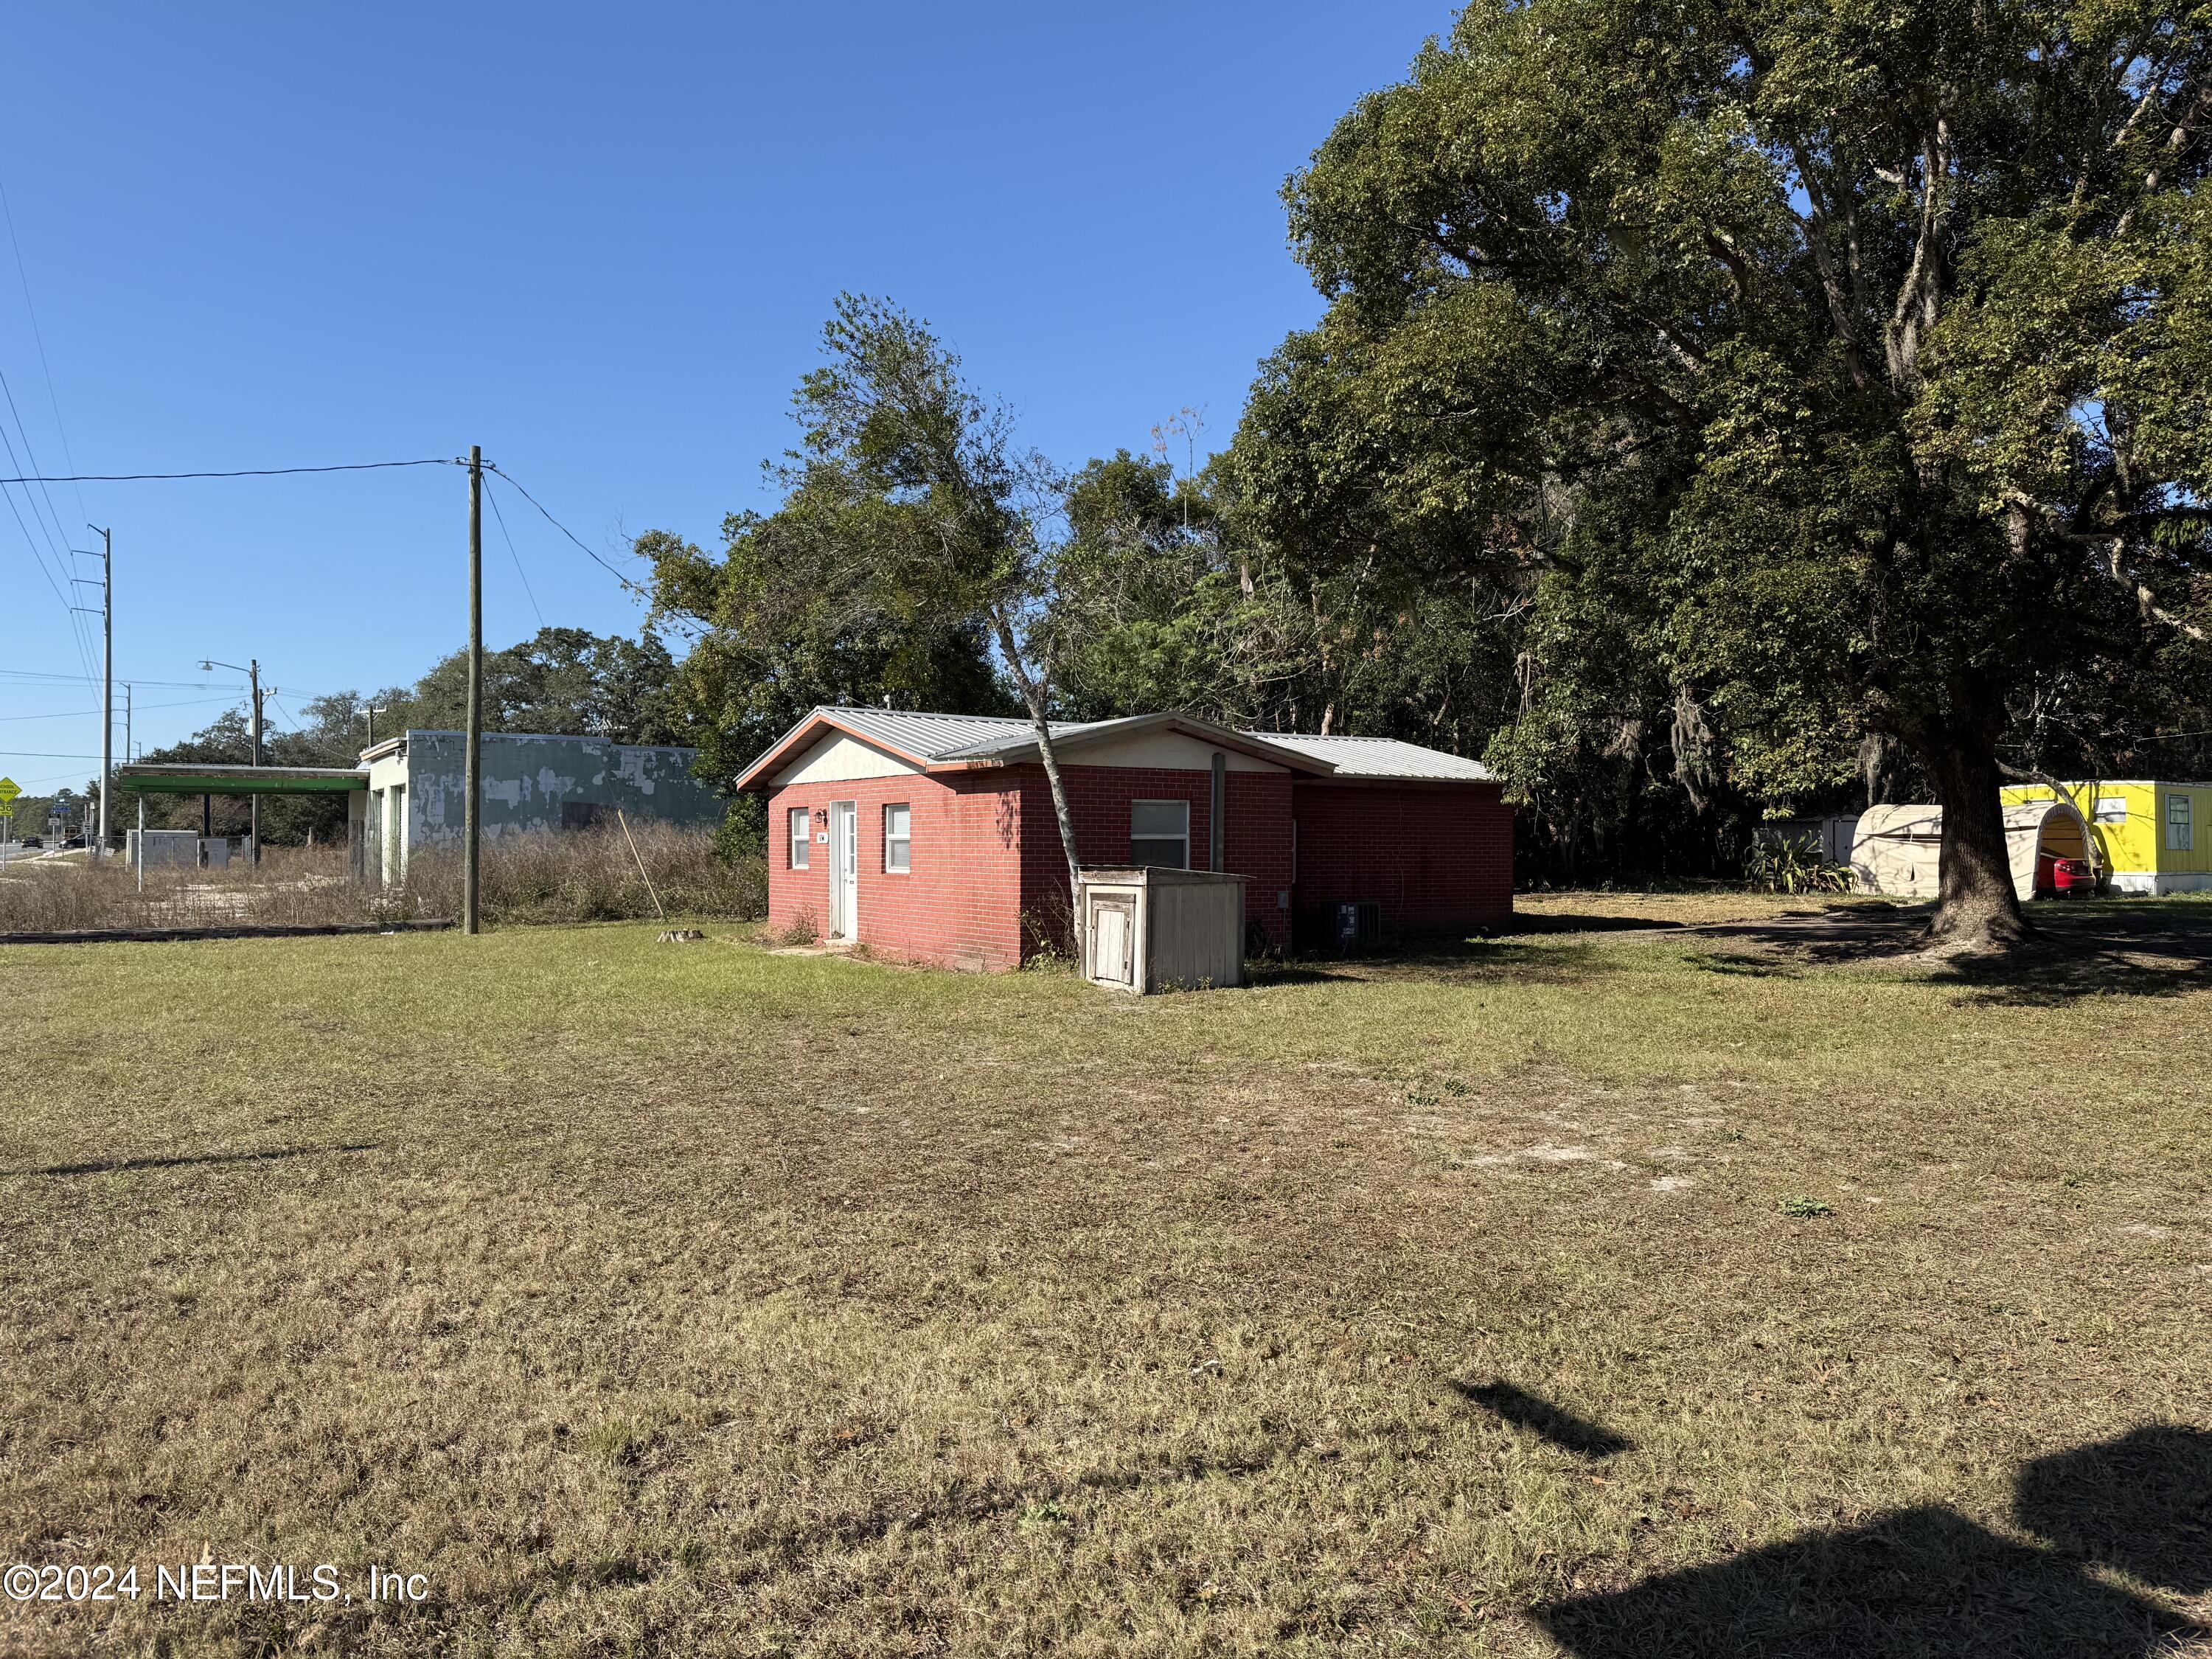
pixel 1785 864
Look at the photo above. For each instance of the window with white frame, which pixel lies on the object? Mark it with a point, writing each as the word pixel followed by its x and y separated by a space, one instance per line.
pixel 2180 824
pixel 1159 833
pixel 801 836
pixel 898 838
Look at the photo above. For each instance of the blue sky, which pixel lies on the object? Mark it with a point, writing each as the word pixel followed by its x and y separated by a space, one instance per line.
pixel 600 241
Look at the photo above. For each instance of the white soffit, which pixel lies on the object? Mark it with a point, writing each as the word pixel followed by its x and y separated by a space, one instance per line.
pixel 1175 751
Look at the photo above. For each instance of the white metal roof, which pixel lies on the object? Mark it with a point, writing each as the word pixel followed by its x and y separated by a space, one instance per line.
pixel 1021 744
pixel 1380 757
pixel 943 738
pixel 938 737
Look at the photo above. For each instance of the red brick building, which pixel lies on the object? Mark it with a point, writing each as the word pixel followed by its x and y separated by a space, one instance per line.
pixel 932 837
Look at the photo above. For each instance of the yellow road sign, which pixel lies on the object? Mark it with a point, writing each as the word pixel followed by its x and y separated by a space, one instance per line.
pixel 9 790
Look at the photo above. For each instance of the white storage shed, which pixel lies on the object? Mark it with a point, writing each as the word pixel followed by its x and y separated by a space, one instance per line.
pixel 1160 928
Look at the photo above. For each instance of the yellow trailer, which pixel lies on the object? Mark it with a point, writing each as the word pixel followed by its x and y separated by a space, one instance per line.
pixel 2152 836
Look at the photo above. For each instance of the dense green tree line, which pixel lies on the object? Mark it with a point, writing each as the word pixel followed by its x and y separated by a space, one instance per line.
pixel 1840 370
pixel 1719 408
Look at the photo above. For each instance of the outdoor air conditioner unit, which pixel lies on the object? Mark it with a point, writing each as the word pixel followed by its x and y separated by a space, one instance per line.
pixel 1151 928
pixel 1358 924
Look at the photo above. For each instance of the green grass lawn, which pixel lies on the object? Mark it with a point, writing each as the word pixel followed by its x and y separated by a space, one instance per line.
pixel 1603 1294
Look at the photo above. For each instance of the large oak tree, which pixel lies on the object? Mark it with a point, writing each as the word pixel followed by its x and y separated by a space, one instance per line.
pixel 1860 353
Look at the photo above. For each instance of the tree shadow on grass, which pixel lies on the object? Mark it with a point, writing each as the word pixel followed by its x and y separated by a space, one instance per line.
pixel 122 1165
pixel 1582 921
pixel 1297 973
pixel 1561 1427
pixel 1923 1582
pixel 2143 948
pixel 1744 964
pixel 2054 974
pixel 1438 962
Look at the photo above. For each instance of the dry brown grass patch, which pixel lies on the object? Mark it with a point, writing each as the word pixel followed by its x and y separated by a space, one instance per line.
pixel 716 1302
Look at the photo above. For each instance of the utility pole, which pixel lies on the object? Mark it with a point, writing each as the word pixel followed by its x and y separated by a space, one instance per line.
pixel 93 852
pixel 369 712
pixel 141 861
pixel 253 801
pixel 473 814
pixel 252 672
pixel 107 680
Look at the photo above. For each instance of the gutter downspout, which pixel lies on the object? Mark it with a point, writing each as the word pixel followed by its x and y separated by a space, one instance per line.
pixel 1216 811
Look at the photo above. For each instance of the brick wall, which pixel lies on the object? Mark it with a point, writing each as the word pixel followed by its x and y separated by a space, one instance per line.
pixel 1436 858
pixel 1256 839
pixel 989 884
pixel 958 904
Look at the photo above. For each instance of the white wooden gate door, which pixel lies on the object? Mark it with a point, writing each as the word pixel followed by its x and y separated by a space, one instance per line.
pixel 1112 955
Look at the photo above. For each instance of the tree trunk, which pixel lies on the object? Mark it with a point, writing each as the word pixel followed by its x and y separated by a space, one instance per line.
pixel 1033 689
pixel 1976 907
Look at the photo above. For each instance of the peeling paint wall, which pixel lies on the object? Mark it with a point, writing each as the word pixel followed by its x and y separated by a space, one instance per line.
pixel 529 778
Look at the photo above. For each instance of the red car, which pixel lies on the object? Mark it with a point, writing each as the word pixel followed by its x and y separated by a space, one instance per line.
pixel 2059 877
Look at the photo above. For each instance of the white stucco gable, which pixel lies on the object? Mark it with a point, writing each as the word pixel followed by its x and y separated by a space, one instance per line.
pixel 840 756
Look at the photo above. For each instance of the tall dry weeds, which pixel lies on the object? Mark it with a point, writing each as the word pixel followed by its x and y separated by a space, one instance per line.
pixel 591 875
pixel 579 876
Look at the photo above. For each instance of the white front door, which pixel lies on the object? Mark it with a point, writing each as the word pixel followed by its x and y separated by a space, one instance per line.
pixel 844 868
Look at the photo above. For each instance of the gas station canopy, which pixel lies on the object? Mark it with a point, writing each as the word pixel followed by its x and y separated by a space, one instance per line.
pixel 170 779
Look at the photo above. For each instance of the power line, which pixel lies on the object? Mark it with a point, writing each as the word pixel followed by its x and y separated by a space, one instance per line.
pixel 42 479
pixel 244 473
pixel 94 679
pixel 38 558
pixel 38 337
pixel 61 564
pixel 53 512
pixel 50 754
pixel 501 518
pixel 77 625
pixel 53 396
pixel 144 709
pixel 635 587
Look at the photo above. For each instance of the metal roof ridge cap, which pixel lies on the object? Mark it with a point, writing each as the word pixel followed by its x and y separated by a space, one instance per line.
pixel 996 747
pixel 1083 732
